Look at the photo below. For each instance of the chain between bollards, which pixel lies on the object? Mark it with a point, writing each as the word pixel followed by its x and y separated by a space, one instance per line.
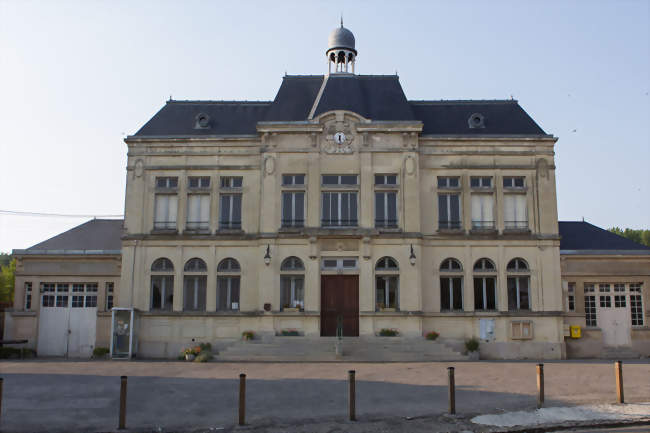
pixel 122 424
pixel 352 395
pixel 242 399
pixel 452 391
pixel 540 386
pixel 618 369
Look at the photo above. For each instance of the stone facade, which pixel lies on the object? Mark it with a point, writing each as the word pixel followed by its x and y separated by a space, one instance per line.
pixel 372 148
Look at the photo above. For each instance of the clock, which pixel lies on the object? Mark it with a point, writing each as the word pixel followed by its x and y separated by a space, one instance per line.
pixel 339 138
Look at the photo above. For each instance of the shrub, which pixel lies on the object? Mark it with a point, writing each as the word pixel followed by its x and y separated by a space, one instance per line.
pixel 205 347
pixel 472 344
pixel 386 332
pixel 290 333
pixel 432 335
pixel 248 335
pixel 100 352
pixel 204 356
pixel 13 352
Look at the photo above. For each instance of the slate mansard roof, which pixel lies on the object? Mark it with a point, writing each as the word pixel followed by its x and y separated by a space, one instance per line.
pixel 580 237
pixel 375 97
pixel 97 236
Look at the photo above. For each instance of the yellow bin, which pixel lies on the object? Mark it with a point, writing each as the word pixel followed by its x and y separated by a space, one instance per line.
pixel 575 331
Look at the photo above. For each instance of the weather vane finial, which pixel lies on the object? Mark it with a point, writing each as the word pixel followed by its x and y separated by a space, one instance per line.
pixel 341 19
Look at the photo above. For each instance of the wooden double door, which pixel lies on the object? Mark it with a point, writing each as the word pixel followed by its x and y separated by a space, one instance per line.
pixel 339 298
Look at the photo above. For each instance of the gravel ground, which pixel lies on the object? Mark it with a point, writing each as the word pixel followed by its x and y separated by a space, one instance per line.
pixel 54 395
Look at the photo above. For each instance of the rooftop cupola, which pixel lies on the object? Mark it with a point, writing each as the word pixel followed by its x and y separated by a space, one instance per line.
pixel 340 51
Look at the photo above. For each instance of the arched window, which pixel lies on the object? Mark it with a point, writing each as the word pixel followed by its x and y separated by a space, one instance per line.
pixel 228 280
pixel 387 284
pixel 517 265
pixel 292 284
pixel 450 265
pixel 194 285
pixel 518 285
pixel 485 285
pixel 162 284
pixel 195 265
pixel 451 285
pixel 228 265
pixel 162 265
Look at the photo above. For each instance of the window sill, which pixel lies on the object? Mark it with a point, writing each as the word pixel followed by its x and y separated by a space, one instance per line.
pixel 164 232
pixel 291 310
pixel 196 231
pixel 483 231
pixel 291 229
pixel 507 231
pixel 458 231
pixel 227 232
pixel 388 229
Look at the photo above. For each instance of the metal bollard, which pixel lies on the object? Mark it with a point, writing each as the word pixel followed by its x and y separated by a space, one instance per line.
pixel 540 386
pixel 242 399
pixel 122 425
pixel 452 391
pixel 352 395
pixel 618 368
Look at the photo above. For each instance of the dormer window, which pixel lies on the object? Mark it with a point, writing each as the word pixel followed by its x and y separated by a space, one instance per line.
pixel 476 120
pixel 202 121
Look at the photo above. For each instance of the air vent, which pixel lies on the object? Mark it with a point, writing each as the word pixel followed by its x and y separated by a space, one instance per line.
pixel 202 121
pixel 476 120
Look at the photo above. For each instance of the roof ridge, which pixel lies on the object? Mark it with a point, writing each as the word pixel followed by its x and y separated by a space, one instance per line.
pixel 216 101
pixel 462 101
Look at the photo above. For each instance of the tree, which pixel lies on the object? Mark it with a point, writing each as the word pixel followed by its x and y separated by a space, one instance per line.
pixel 638 236
pixel 7 281
pixel 5 258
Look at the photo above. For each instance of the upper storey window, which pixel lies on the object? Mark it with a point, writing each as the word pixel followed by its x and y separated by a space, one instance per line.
pixel 230 203
pixel 198 203
pixel 386 200
pixel 448 182
pixel 167 182
pixel 293 200
pixel 199 182
pixel 231 181
pixel 513 182
pixel 166 203
pixel 449 216
pixel 339 208
pixel 480 182
pixel 293 180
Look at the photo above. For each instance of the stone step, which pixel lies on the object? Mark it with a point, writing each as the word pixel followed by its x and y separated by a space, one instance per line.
pixel 354 349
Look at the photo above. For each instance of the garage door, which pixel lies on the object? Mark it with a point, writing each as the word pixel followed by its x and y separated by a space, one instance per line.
pixel 67 320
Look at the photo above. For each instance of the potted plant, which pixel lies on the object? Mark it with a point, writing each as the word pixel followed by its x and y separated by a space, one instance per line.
pixel 432 335
pixel 472 348
pixel 290 333
pixel 190 354
pixel 388 332
pixel 248 335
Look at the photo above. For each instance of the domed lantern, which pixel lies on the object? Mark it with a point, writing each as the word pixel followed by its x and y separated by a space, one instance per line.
pixel 340 51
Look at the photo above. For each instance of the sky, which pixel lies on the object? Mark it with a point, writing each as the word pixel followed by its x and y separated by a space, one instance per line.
pixel 77 77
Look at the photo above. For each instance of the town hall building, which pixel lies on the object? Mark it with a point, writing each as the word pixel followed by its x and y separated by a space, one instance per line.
pixel 342 207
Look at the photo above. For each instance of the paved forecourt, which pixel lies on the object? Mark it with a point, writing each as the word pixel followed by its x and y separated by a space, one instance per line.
pixel 60 396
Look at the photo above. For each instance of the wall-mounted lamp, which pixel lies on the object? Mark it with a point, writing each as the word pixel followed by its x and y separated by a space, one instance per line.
pixel 267 256
pixel 412 256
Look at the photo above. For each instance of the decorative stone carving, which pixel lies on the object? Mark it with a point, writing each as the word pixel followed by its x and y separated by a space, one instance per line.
pixel 338 138
pixel 542 168
pixel 139 168
pixel 409 165
pixel 269 165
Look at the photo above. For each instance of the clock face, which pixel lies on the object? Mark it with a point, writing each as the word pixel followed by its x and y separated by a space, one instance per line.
pixel 339 138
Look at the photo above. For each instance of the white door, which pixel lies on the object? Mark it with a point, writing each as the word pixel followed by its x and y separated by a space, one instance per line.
pixel 81 338
pixel 53 331
pixel 67 320
pixel 615 324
